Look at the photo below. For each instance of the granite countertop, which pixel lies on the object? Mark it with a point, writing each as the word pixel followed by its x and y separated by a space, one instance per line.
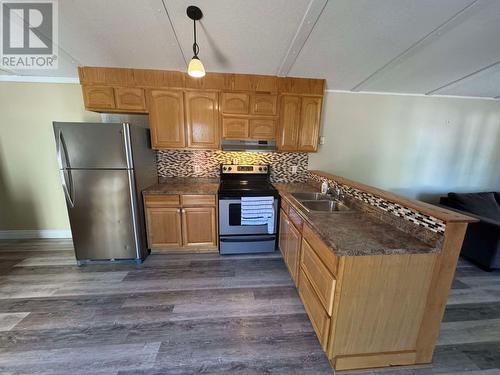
pixel 184 185
pixel 355 232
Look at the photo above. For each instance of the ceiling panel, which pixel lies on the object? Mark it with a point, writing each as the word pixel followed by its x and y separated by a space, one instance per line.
pixel 122 33
pixel 239 35
pixel 483 84
pixel 354 38
pixel 465 47
pixel 125 33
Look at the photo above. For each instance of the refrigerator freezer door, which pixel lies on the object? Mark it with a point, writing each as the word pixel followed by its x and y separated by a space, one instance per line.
pixel 102 217
pixel 92 146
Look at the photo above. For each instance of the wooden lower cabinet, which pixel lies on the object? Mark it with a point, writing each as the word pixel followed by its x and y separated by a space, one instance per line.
pixel 289 244
pixel 367 311
pixel 164 227
pixel 199 227
pixel 317 314
pixel 181 223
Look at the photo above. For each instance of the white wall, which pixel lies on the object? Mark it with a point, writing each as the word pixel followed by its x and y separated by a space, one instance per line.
pixel 420 147
pixel 31 196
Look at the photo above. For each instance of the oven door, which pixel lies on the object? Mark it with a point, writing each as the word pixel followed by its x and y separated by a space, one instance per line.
pixel 230 218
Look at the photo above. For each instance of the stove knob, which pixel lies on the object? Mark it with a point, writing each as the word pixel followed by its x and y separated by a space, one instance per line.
pixel 223 168
pixel 265 169
pixel 229 168
pixel 260 169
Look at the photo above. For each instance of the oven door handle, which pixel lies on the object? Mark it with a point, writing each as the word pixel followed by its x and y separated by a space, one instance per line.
pixel 247 240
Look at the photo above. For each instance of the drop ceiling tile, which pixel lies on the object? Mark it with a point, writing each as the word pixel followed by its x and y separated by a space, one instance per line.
pixel 354 38
pixel 239 35
pixel 483 84
pixel 465 47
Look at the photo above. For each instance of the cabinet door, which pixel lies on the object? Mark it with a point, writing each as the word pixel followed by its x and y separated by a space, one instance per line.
pixel 234 128
pixel 310 115
pixel 199 227
pixel 98 97
pixel 283 236
pixel 289 123
pixel 166 119
pixel 202 119
pixel 163 227
pixel 130 98
pixel 264 104
pixel 235 103
pixel 262 129
pixel 293 246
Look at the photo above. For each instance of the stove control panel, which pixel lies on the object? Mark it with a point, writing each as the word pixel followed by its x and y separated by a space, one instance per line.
pixel 244 169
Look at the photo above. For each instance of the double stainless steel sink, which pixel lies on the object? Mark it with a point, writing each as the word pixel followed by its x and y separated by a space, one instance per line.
pixel 320 202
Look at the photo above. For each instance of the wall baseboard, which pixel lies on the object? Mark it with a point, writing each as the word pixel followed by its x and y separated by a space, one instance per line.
pixel 35 233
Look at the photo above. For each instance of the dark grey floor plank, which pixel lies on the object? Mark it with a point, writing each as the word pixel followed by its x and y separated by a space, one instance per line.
pixel 472 311
pixel 198 313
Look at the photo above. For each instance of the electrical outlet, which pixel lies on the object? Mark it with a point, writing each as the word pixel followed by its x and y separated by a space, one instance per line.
pixel 322 140
pixel 293 169
pixel 197 168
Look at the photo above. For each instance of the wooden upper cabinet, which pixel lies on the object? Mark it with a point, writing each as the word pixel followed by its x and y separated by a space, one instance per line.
pixel 234 128
pixel 202 119
pixel 166 119
pixel 130 98
pixel 289 123
pixel 235 103
pixel 263 129
pixel 264 104
pixel 310 115
pixel 98 97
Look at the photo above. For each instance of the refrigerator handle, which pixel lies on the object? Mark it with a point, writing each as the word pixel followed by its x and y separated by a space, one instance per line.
pixel 64 167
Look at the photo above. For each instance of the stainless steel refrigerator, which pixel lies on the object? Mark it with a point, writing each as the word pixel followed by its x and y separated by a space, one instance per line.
pixel 104 167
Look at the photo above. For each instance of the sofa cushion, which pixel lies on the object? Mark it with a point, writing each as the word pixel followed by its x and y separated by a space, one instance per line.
pixel 482 204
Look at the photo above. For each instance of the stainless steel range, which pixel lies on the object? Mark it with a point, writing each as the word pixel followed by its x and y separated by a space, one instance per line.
pixel 235 237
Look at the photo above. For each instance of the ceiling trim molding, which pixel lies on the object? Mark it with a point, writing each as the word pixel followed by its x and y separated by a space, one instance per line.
pixel 434 34
pixel 38 79
pixel 311 16
pixel 413 94
pixel 464 77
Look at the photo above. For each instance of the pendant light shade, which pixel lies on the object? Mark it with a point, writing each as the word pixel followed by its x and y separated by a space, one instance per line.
pixel 195 67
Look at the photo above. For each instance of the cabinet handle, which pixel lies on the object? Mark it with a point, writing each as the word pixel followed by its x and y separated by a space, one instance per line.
pixel 178 210
pixel 183 211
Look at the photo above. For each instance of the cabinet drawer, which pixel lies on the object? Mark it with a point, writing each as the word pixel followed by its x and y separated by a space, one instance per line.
pixel 262 129
pixel 98 97
pixel 285 206
pixel 321 279
pixel 264 104
pixel 317 314
pixel 130 98
pixel 162 200
pixel 236 103
pixel 198 200
pixel 295 218
pixel 326 255
pixel 234 128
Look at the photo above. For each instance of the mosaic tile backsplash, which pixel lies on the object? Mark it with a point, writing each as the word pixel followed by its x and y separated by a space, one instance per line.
pixel 181 163
pixel 433 224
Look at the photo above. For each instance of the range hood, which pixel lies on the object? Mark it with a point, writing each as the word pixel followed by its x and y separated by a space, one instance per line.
pixel 250 145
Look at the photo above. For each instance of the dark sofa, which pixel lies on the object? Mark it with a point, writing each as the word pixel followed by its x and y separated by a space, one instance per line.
pixel 482 240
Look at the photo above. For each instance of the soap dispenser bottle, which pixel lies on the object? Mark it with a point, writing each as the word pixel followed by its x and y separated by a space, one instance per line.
pixel 324 187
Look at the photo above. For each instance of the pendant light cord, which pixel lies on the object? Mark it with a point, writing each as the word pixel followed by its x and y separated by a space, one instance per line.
pixel 196 48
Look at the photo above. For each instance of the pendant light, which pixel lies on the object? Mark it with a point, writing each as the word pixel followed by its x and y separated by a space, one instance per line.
pixel 195 67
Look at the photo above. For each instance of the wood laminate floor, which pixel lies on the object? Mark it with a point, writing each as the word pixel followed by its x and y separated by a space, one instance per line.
pixel 197 314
